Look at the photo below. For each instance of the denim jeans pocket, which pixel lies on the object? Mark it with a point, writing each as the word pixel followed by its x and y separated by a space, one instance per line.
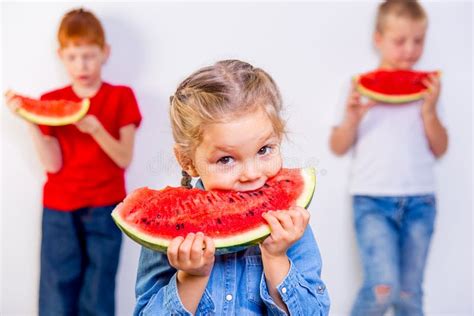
pixel 254 270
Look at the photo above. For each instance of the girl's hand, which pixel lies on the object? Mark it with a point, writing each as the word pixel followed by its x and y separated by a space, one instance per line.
pixel 286 228
pixel 355 109
pixel 89 124
pixel 193 255
pixel 13 103
pixel 433 84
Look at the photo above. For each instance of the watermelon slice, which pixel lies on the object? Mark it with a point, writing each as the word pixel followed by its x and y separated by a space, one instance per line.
pixel 233 219
pixel 52 112
pixel 393 86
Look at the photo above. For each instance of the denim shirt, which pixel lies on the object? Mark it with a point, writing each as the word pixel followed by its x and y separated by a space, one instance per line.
pixel 237 284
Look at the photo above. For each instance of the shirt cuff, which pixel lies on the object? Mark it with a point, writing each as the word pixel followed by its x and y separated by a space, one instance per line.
pixel 173 302
pixel 287 290
pixel 283 289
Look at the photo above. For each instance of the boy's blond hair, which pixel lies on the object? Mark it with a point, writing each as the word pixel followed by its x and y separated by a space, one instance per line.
pixel 219 93
pixel 410 9
pixel 80 26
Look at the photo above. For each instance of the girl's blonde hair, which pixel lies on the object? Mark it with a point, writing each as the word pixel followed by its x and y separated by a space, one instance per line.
pixel 219 93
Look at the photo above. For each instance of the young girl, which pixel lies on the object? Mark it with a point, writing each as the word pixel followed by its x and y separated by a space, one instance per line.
pixel 227 127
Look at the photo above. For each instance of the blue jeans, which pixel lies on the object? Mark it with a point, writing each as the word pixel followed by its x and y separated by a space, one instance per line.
pixel 79 258
pixel 394 235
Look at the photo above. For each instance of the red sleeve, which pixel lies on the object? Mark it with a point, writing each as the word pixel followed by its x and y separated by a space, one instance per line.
pixel 129 113
pixel 45 129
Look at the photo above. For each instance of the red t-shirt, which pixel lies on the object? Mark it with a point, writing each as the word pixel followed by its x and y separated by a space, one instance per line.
pixel 88 176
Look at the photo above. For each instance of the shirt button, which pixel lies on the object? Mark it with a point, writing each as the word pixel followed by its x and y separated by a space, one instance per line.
pixel 228 297
pixel 283 290
pixel 321 289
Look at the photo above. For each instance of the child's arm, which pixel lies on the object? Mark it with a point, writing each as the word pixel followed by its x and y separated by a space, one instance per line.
pixel 193 257
pixel 285 284
pixel 435 131
pixel 121 150
pixel 47 147
pixel 344 135
pixel 175 285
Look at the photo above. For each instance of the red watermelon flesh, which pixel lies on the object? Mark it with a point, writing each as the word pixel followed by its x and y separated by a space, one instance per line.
pixel 52 112
pixel 393 86
pixel 233 219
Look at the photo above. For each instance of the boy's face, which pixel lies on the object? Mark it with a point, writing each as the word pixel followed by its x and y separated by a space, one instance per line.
pixel 83 63
pixel 240 155
pixel 401 42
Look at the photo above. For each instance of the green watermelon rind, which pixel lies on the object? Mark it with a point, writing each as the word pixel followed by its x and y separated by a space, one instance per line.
pixel 56 121
pixel 389 98
pixel 224 245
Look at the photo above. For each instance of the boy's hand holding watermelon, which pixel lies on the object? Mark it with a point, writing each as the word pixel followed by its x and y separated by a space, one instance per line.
pixel 433 84
pixel 12 102
pixel 89 124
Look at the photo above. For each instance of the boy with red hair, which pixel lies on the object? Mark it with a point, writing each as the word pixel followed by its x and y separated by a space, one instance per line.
pixel 85 164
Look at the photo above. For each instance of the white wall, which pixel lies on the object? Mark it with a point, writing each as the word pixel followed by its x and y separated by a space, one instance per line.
pixel 310 49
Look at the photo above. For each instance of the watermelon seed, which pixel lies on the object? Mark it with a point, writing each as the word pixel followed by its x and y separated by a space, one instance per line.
pixel 231 200
pixel 179 226
pixel 219 221
pixel 250 213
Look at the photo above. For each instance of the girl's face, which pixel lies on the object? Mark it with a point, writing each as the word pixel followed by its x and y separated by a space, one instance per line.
pixel 401 43
pixel 239 155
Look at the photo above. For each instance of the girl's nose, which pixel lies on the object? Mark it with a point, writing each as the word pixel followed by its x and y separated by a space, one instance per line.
pixel 250 172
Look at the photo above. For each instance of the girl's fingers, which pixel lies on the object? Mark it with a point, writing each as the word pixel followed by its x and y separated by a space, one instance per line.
pixel 275 226
pixel 197 247
pixel 210 248
pixel 172 251
pixel 185 248
pixel 298 218
pixel 285 220
pixel 305 215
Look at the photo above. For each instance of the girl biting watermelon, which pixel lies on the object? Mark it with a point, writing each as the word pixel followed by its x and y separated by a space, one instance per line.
pixel 227 129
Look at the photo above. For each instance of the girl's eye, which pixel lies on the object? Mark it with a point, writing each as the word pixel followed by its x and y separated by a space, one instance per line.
pixel 225 160
pixel 265 150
